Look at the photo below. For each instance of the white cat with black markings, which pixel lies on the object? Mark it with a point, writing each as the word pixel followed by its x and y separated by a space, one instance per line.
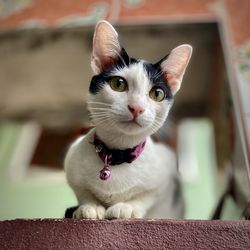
pixel 116 170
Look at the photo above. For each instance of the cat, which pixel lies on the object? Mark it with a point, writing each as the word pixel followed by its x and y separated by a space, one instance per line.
pixel 116 170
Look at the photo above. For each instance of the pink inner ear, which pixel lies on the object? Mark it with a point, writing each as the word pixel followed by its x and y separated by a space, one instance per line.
pixel 172 82
pixel 106 47
pixel 101 64
pixel 175 65
pixel 108 62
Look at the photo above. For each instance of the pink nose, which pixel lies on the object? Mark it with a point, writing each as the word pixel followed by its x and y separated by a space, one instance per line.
pixel 136 110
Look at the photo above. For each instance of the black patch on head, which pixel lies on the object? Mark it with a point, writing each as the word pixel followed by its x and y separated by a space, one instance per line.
pixel 98 81
pixel 157 78
pixel 154 73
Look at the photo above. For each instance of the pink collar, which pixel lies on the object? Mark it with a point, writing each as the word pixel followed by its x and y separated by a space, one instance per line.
pixel 112 157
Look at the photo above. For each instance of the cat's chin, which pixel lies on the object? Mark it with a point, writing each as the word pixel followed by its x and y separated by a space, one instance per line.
pixel 131 127
pixel 131 123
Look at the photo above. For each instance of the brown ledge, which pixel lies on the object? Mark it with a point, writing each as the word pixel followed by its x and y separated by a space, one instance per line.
pixel 124 234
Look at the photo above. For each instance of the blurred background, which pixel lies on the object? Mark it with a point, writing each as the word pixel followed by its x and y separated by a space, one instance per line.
pixel 45 49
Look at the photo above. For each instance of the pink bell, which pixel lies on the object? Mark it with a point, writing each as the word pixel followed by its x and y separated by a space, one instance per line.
pixel 105 173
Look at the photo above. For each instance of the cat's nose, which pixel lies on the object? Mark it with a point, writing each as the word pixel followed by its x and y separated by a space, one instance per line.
pixel 136 110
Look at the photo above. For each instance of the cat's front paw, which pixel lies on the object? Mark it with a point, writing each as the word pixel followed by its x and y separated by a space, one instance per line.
pixel 89 211
pixel 122 211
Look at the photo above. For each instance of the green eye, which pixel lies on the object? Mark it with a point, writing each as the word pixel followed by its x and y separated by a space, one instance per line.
pixel 118 84
pixel 157 94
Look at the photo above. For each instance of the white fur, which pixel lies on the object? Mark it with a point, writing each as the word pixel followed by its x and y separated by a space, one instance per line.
pixel 134 189
pixel 145 188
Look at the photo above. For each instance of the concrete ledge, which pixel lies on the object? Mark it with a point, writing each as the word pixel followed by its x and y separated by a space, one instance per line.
pixel 124 234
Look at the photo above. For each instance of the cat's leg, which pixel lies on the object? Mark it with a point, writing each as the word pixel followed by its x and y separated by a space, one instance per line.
pixel 89 208
pixel 135 208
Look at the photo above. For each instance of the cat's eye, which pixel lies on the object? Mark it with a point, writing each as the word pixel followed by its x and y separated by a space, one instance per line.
pixel 117 83
pixel 157 94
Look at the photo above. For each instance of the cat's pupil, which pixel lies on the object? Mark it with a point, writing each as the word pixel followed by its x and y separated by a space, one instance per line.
pixel 159 93
pixel 119 82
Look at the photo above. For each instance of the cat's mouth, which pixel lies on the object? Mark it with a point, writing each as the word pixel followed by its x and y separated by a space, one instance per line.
pixel 133 122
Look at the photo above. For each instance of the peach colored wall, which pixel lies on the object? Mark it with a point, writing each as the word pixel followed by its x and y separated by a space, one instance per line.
pixel 51 12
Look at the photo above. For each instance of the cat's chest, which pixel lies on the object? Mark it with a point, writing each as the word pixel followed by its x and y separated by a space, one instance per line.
pixel 130 180
pixel 125 178
pixel 114 196
pixel 150 168
pixel 153 167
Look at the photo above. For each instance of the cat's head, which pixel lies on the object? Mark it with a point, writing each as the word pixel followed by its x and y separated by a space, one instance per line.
pixel 129 95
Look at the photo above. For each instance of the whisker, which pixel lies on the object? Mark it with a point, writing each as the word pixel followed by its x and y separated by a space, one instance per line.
pixel 160 118
pixel 156 75
pixel 111 123
pixel 96 108
pixel 159 121
pixel 105 124
pixel 97 117
pixel 116 112
pixel 98 112
pixel 157 124
pixel 155 128
pixel 99 121
pixel 101 103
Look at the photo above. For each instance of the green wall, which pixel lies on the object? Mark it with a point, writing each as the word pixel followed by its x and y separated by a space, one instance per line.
pixel 25 198
pixel 37 198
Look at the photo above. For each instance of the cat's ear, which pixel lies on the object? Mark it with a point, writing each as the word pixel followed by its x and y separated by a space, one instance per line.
pixel 175 64
pixel 106 47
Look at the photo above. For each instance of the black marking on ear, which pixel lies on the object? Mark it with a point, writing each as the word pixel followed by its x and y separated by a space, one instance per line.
pixel 162 60
pixel 99 81
pixel 157 78
pixel 125 57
